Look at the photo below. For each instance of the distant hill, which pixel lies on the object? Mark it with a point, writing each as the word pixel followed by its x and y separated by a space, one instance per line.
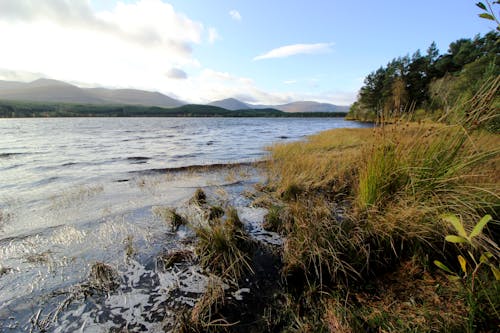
pixel 311 107
pixel 305 106
pixel 232 104
pixel 53 91
pixel 135 97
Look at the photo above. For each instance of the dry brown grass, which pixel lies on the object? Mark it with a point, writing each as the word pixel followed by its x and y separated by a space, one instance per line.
pixel 170 215
pixel 325 160
pixel 103 277
pixel 398 180
pixel 204 316
pixel 168 259
pixel 411 299
pixel 214 297
pixel 393 183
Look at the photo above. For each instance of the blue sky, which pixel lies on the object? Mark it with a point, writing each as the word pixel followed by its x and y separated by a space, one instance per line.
pixel 258 51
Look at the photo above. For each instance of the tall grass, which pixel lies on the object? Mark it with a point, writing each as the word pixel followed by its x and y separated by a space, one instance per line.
pixel 399 180
pixel 372 199
pixel 325 161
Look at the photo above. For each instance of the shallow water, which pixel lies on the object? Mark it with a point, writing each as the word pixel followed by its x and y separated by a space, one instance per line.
pixel 77 191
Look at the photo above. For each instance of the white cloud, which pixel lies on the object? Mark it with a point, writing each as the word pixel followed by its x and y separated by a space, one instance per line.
pixel 235 15
pixel 130 45
pixel 290 81
pixel 211 85
pixel 213 35
pixel 290 50
pixel 18 75
pixel 147 22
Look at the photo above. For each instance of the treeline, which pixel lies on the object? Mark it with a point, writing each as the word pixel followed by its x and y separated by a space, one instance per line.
pixel 429 83
pixel 14 109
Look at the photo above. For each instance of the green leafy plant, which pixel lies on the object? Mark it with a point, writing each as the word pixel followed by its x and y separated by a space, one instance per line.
pixel 488 12
pixel 463 238
pixel 482 302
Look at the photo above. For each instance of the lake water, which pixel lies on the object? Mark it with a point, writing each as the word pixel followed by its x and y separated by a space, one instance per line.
pixel 73 190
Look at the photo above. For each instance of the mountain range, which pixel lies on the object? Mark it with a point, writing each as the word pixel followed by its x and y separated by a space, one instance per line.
pixel 304 106
pixel 53 91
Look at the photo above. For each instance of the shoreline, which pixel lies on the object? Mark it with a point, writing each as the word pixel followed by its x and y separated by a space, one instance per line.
pixel 147 242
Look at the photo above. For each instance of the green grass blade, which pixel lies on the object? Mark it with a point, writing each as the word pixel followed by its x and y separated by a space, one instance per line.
pixel 484 257
pixel 496 272
pixel 480 225
pixel 443 266
pixel 457 224
pixel 455 239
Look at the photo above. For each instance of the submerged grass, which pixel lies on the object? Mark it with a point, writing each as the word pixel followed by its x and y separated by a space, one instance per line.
pixel 170 216
pixel 103 277
pixel 167 260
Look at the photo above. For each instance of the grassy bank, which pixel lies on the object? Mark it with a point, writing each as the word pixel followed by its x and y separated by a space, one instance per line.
pixel 362 212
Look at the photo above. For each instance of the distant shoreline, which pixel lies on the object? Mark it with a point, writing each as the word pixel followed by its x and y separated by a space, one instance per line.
pixel 15 109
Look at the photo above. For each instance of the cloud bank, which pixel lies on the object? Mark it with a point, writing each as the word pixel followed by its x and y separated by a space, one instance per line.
pixel 130 45
pixel 295 49
pixel 143 44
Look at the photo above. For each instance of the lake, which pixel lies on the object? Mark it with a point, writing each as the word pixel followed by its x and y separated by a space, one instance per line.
pixel 73 190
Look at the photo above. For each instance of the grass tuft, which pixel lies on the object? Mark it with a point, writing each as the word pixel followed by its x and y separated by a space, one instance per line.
pixel 233 220
pixel 203 317
pixel 224 247
pixel 272 220
pixel 214 213
pixel 169 259
pixel 171 216
pixel 199 197
pixel 103 277
pixel 128 243
pixel 291 192
pixel 209 304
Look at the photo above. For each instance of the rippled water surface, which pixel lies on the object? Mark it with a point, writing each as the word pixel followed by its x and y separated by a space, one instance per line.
pixel 76 191
pixel 41 157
